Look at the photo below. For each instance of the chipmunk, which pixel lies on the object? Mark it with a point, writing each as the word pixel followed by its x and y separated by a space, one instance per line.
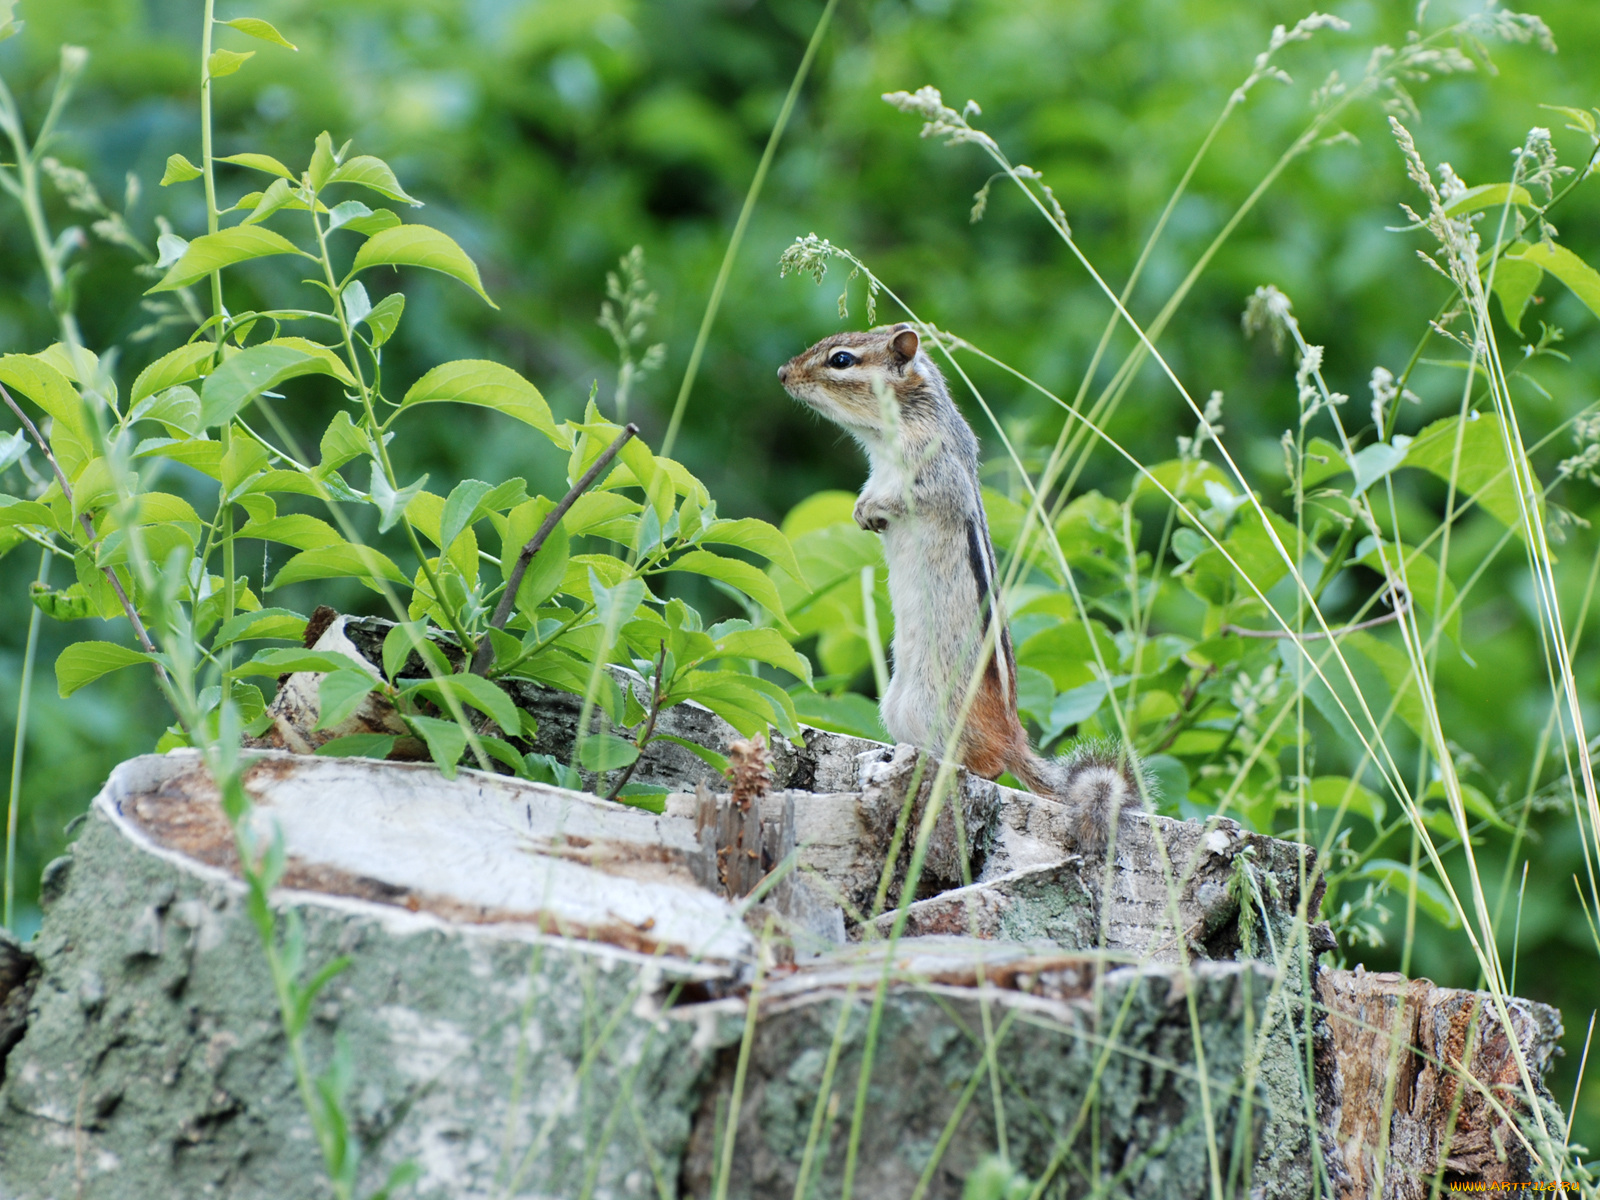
pixel 922 497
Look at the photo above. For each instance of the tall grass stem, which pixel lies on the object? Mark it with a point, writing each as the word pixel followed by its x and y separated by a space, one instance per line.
pixel 19 744
pixel 734 242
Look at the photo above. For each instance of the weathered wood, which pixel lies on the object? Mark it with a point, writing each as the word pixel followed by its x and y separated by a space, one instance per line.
pixel 487 912
pixel 1072 1111
pixel 1426 1080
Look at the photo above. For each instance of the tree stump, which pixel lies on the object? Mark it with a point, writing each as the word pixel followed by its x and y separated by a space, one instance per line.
pixel 550 995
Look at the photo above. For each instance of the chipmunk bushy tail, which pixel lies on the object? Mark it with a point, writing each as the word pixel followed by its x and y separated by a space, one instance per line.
pixel 1098 779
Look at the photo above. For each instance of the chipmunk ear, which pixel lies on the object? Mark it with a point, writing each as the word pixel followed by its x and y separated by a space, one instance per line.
pixel 904 344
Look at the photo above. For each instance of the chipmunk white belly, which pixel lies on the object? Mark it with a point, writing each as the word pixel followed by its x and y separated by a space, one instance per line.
pixel 937 628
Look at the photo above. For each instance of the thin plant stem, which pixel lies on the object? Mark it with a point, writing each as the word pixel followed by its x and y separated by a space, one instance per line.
pixel 207 167
pixel 19 744
pixel 737 238
pixel 746 1042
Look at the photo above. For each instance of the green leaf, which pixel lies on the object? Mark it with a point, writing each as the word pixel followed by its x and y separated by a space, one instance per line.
pixel 1395 665
pixel 403 1175
pixel 357 304
pixel 376 221
pixel 475 690
pixel 261 624
pixel 289 660
pixel 1431 898
pixel 12 447
pixel 260 162
pixel 391 502
pixel 1581 279
pixel 1066 652
pixel 244 459
pixel 710 757
pixel 299 530
pixel 1484 473
pixel 731 699
pixel 602 752
pixel 339 694
pixel 736 574
pixel 338 562
pixel 548 567
pixel 1421 571
pixel 562 670
pixel 374 173
pixel 332 364
pixel 598 513
pixel 850 713
pixel 446 740
pixel 1323 461
pixel 398 645
pixel 341 215
pixel 203 456
pixel 213 251
pixel 178 408
pixel 1488 195
pixel 1582 120
pixel 341 442
pixel 1372 463
pixel 280 194
pixel 323 161
pixel 1330 791
pixel 358 745
pixel 1074 706
pixel 174 367
pixel 1515 281
pixel 461 509
pixel 651 797
pixel 420 246
pixel 385 315
pixel 46 387
pixel 257 28
pixel 83 662
pixel 66 604
pixel 226 62
pixel 828 557
pixel 614 606
pixel 245 375
pixel 748 533
pixel 179 170
pixel 488 385
pixel 765 645
pixel 1474 801
pixel 25 512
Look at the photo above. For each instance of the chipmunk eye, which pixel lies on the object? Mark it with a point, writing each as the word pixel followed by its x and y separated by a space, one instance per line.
pixel 842 359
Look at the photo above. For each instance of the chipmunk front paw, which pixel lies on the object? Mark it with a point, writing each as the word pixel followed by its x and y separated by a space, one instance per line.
pixel 872 515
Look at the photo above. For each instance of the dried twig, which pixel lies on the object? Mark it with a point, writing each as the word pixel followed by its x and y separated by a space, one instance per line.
pixel 649 724
pixel 88 528
pixel 1400 610
pixel 502 612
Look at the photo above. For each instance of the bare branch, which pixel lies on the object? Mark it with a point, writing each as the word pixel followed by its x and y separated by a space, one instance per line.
pixel 1400 610
pixel 502 612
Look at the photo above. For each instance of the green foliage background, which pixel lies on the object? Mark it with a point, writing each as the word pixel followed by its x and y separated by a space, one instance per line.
pixel 549 137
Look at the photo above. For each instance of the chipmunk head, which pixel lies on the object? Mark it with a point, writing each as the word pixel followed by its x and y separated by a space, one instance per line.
pixel 870 383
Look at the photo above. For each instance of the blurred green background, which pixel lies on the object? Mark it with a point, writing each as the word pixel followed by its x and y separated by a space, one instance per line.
pixel 549 136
